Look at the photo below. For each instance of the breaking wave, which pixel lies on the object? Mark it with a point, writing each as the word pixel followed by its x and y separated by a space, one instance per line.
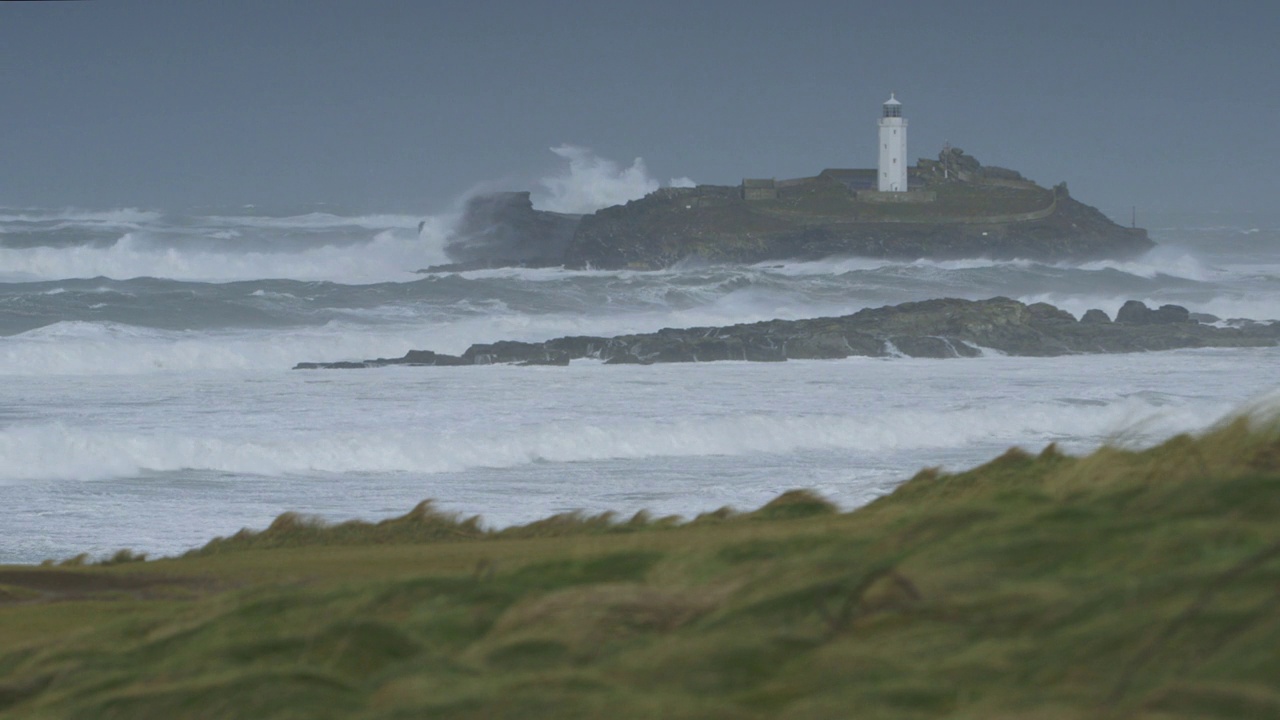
pixel 387 255
pixel 317 220
pixel 56 451
pixel 591 182
pixel 122 216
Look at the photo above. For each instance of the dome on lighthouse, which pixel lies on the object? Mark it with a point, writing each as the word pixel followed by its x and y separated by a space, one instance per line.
pixel 892 108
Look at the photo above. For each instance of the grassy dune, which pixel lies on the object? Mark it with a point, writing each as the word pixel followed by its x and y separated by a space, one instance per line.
pixel 1122 584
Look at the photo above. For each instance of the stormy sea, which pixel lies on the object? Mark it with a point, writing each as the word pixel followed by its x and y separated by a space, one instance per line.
pixel 148 400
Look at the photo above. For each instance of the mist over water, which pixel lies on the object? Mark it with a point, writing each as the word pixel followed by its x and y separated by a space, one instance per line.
pixel 150 404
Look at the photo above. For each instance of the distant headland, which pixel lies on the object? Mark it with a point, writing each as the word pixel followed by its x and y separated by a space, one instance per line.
pixel 951 207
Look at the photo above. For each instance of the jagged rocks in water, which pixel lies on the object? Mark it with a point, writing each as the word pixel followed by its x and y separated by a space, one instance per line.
pixel 947 328
pixel 1137 313
pixel 413 357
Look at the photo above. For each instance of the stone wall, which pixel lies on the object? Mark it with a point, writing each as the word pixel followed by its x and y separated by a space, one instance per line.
pixel 910 196
pixel 758 189
pixel 975 220
pixel 795 182
pixel 1015 184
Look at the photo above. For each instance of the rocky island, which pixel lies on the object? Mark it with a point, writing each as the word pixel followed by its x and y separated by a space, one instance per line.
pixel 954 207
pixel 947 328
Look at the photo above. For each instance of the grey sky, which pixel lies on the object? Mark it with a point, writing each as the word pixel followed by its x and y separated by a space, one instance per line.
pixel 404 105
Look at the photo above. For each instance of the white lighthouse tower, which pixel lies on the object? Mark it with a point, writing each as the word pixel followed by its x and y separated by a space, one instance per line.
pixel 893 148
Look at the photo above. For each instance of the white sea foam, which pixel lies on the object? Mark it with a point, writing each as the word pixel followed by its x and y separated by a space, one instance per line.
pixel 388 255
pixel 541 274
pixel 826 266
pixel 1161 261
pixel 1157 262
pixel 60 452
pixel 122 216
pixel 98 349
pixel 314 221
pixel 95 348
pixel 591 182
pixel 201 454
pixel 838 265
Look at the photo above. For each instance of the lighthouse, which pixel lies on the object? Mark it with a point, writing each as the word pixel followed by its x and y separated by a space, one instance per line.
pixel 893 148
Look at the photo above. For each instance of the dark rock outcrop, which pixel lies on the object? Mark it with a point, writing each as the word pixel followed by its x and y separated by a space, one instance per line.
pixel 1137 313
pixel 503 229
pixel 934 328
pixel 1095 316
pixel 413 357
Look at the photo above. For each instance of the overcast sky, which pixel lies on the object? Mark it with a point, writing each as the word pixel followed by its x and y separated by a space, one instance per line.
pixel 405 105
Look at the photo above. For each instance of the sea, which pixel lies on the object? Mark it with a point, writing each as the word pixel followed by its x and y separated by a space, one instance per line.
pixel 148 400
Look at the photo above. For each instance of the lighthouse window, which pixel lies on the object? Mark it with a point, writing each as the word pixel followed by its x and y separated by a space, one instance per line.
pixel 893 111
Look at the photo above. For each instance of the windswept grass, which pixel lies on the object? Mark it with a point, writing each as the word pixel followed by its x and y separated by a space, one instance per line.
pixel 1124 584
pixel 426 524
pixel 423 524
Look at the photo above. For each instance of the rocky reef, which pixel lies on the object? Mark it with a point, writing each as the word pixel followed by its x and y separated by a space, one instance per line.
pixel 956 208
pixel 946 328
